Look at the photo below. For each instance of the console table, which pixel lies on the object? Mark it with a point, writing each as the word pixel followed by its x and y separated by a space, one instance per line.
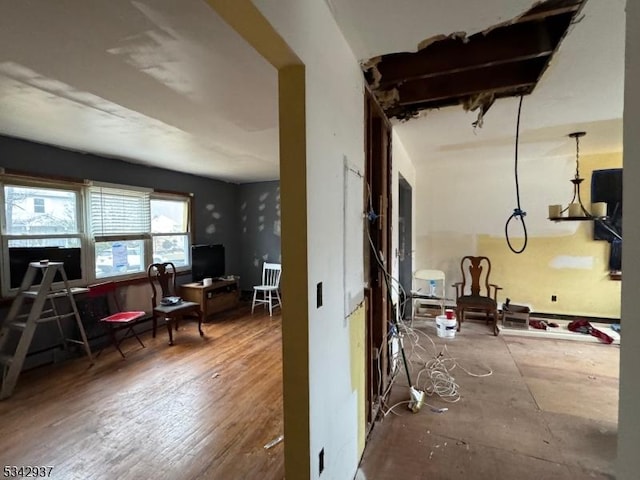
pixel 219 296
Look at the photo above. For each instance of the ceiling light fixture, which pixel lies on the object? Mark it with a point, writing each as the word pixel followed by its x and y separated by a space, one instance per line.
pixel 576 211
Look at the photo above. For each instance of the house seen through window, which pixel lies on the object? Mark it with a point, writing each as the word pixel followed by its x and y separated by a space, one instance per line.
pixel 98 231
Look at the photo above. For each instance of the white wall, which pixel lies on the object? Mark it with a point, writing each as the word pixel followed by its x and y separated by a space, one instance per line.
pixel 462 208
pixel 458 200
pixel 628 416
pixel 401 164
pixel 335 130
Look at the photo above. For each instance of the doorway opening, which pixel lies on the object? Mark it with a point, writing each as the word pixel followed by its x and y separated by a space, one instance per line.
pixel 405 245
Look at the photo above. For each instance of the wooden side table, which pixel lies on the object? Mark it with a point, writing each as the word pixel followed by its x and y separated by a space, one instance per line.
pixel 219 296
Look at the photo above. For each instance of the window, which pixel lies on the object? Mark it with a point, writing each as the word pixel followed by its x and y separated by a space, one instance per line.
pixel 20 220
pixel 38 205
pixel 170 229
pixel 133 228
pixel 119 225
pixel 98 230
pixel 30 233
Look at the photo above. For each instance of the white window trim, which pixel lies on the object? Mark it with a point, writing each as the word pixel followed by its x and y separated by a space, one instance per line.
pixel 87 240
pixel 183 198
pixel 23 181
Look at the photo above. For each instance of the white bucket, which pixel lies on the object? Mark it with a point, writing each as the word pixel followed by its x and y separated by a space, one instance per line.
pixel 446 328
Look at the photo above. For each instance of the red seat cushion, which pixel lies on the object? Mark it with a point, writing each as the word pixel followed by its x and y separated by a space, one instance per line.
pixel 123 317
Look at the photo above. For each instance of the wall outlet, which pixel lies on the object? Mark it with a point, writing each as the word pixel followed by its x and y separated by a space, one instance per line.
pixel 321 461
pixel 554 298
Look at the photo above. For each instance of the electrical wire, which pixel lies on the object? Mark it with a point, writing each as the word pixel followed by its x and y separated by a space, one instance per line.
pixel 435 377
pixel 518 213
pixel 392 285
pixel 437 370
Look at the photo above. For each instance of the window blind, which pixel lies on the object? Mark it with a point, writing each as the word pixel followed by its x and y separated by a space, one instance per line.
pixel 118 211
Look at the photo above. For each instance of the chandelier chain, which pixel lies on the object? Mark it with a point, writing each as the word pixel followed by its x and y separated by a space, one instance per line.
pixel 577 157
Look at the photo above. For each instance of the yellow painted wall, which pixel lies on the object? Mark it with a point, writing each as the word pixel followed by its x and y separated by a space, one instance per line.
pixel 531 278
pixel 358 370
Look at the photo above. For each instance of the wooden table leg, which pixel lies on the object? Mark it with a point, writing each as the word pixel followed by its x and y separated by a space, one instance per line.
pixel 200 323
pixel 169 321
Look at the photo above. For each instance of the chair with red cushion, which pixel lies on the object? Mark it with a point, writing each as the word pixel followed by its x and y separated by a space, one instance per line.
pixel 119 319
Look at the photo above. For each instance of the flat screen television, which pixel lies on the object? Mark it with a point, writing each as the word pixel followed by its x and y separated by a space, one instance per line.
pixel 606 186
pixel 20 257
pixel 207 261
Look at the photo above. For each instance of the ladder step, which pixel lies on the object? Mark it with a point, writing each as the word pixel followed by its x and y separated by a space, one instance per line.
pixel 54 317
pixel 30 293
pixel 26 323
pixel 56 293
pixel 45 312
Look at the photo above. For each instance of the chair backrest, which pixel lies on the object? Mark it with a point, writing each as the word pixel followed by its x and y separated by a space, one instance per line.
pixel 475 276
pixel 162 275
pixel 423 278
pixel 102 301
pixel 271 274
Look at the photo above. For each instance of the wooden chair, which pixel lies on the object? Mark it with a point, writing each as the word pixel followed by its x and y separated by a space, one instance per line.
pixel 270 287
pixel 165 302
pixel 115 318
pixel 475 293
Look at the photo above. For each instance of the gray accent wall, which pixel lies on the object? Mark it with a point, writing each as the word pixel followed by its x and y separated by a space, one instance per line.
pixel 215 202
pixel 259 221
pixel 244 218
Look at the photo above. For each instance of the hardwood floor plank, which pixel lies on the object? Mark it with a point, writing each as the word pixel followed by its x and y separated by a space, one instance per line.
pixel 203 408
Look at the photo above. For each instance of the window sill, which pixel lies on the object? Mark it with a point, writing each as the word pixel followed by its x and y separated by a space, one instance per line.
pixel 6 301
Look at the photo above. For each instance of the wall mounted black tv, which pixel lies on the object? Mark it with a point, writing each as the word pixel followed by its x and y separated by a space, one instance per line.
pixel 606 186
pixel 20 257
pixel 207 261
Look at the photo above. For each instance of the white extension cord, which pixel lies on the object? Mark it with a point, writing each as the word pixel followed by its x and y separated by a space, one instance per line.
pixel 436 373
pixel 439 380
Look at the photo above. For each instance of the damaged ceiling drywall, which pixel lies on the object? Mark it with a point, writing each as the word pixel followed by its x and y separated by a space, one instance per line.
pixel 473 71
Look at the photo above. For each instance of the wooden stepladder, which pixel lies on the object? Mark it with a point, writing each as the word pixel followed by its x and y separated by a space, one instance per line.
pixel 12 355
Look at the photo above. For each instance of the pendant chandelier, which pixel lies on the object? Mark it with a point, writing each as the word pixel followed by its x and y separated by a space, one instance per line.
pixel 575 210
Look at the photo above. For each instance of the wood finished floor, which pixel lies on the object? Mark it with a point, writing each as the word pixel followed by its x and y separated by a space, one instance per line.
pixel 202 409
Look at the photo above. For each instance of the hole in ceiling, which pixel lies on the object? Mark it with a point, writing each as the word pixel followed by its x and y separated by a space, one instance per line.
pixel 504 60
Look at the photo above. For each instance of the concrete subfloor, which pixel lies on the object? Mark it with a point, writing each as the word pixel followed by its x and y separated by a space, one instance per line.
pixel 548 411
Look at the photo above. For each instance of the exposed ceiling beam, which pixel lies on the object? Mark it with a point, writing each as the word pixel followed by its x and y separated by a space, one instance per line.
pixel 544 15
pixel 461 84
pixel 507 59
pixel 506 44
pixel 551 8
pixel 404 112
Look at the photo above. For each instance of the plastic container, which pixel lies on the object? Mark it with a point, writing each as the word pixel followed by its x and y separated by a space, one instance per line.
pixel 432 288
pixel 446 328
